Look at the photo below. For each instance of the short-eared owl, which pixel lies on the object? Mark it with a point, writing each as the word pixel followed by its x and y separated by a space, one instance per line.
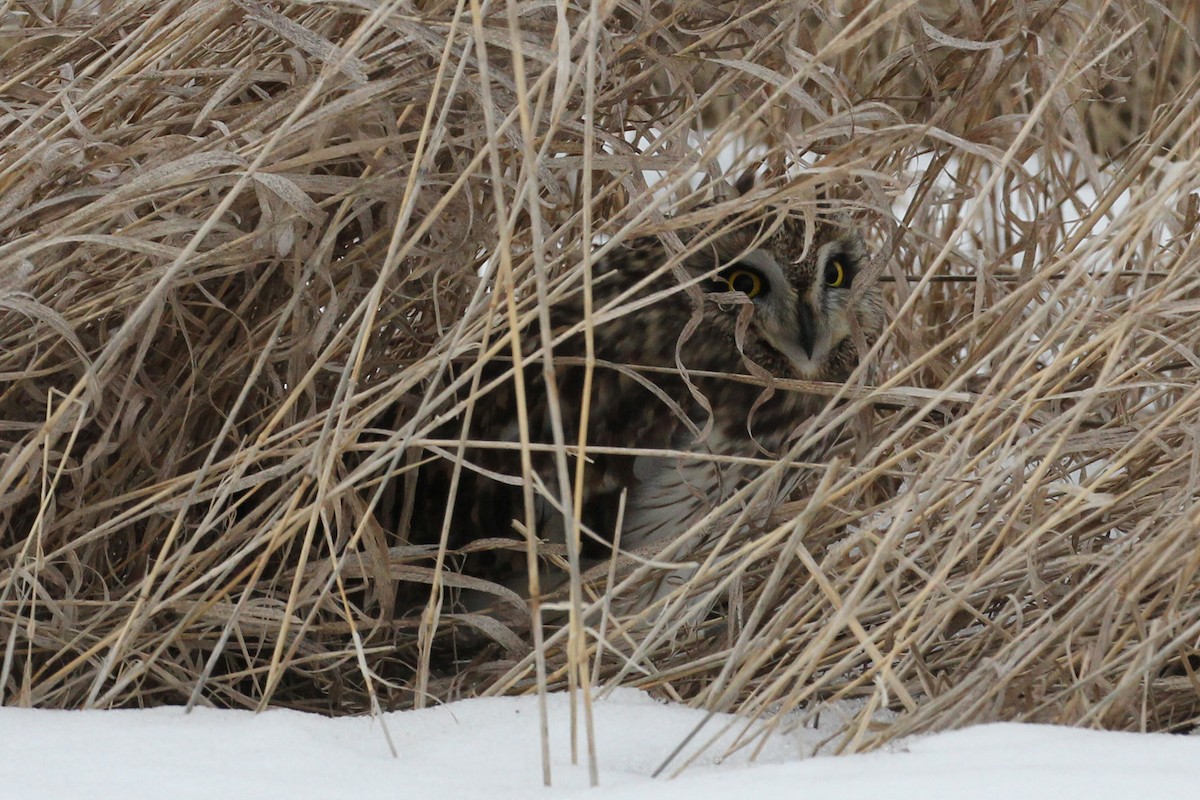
pixel 768 300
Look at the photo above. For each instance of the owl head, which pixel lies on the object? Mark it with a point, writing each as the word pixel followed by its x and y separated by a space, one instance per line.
pixel 803 291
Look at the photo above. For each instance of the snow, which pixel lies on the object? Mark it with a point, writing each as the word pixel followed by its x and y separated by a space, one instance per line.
pixel 490 748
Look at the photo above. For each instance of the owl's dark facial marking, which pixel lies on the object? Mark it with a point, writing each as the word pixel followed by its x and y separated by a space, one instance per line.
pixel 839 265
pixel 838 272
pixel 744 278
pixel 747 281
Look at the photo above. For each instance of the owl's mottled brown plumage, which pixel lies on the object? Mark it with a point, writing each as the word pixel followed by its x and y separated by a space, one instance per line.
pixel 797 326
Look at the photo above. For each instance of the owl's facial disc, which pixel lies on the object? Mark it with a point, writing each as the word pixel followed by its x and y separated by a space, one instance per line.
pixel 803 320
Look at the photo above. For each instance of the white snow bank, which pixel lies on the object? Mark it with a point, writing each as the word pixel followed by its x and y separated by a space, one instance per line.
pixel 491 749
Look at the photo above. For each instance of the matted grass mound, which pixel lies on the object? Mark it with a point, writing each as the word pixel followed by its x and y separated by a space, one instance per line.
pixel 248 249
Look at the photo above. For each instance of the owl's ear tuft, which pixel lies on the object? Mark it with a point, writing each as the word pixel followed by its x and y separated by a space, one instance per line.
pixel 724 191
pixel 824 199
pixel 746 182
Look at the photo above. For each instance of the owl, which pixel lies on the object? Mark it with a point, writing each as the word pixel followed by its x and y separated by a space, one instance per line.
pixel 685 352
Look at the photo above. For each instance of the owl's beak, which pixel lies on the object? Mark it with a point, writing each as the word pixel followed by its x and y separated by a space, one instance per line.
pixel 807 329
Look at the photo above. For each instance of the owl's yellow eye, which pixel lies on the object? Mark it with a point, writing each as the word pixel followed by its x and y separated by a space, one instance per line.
pixel 746 282
pixel 835 273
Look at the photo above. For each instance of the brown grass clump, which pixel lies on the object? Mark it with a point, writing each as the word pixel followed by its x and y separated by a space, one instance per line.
pixel 241 243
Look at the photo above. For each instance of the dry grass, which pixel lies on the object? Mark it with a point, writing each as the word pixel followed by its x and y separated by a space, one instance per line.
pixel 234 237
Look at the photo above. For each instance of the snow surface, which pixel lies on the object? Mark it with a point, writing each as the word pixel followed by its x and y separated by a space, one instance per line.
pixel 490 748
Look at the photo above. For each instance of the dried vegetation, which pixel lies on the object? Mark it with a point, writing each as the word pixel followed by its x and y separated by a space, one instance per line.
pixel 241 243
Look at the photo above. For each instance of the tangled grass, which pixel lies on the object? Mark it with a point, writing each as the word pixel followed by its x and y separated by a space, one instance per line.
pixel 245 245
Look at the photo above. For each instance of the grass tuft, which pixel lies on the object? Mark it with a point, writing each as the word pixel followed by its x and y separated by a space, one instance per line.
pixel 247 248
